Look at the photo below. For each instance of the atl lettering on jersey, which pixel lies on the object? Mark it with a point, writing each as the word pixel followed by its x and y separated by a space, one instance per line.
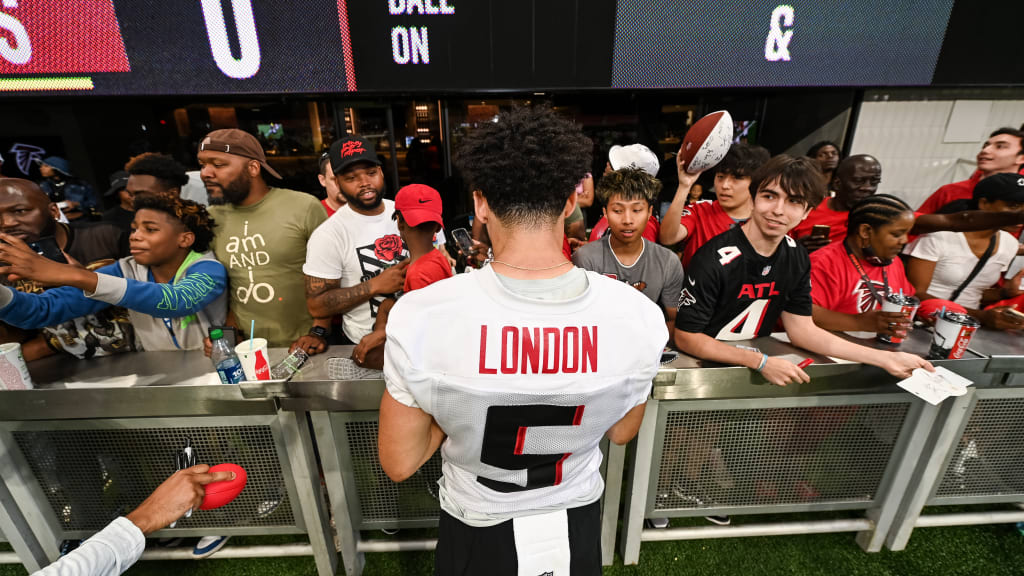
pixel 755 291
pixel 539 350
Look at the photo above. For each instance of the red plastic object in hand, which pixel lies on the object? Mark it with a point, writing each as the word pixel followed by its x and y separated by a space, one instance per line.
pixel 932 306
pixel 221 493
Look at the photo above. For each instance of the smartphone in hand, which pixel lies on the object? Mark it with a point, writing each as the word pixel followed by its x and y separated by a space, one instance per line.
pixel 464 240
pixel 820 231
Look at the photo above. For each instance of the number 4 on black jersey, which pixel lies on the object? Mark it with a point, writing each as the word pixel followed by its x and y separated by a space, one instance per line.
pixel 733 293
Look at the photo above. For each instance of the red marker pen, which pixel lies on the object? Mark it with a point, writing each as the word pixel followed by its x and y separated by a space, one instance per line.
pixel 805 363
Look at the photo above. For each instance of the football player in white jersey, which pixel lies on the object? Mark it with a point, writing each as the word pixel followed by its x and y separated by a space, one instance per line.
pixel 519 370
pixel 744 280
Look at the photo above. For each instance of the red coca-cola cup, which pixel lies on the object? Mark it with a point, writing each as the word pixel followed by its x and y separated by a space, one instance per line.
pixel 907 305
pixel 254 358
pixel 952 334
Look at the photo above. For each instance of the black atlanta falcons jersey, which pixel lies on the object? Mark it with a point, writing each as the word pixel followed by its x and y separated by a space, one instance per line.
pixel 733 293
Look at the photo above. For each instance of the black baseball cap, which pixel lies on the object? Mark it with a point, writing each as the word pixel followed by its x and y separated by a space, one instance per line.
pixel 350 150
pixel 1004 186
pixel 118 180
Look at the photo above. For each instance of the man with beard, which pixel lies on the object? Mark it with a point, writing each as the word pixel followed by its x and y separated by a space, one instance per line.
pixel 353 259
pixel 260 237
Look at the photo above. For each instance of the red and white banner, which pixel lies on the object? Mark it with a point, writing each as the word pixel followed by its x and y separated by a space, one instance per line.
pixel 60 37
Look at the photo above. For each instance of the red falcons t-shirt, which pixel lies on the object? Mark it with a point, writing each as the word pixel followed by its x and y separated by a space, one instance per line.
pixel 426 270
pixel 823 215
pixel 836 285
pixel 703 221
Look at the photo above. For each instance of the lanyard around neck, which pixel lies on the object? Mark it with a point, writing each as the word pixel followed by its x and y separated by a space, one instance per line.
pixel 867 281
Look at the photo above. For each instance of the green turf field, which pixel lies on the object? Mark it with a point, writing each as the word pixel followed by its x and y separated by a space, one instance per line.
pixel 960 551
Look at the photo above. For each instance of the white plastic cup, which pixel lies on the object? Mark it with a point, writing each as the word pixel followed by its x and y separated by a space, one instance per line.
pixel 952 334
pixel 255 359
pixel 13 370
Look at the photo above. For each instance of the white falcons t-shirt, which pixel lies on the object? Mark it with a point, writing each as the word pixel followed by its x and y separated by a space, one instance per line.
pixel 355 248
pixel 525 389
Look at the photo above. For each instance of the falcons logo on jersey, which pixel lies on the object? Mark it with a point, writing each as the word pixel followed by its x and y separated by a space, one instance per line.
pixel 865 301
pixel 25 154
pixel 685 298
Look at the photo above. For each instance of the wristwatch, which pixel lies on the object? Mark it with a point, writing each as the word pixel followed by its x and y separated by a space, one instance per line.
pixel 319 331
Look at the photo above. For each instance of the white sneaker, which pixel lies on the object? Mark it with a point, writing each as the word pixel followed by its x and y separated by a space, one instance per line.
pixel 208 546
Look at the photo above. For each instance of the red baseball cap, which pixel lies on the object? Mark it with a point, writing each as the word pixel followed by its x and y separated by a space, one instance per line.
pixel 930 307
pixel 419 203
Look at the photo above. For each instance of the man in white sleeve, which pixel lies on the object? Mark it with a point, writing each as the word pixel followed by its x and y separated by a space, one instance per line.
pixel 525 366
pixel 117 547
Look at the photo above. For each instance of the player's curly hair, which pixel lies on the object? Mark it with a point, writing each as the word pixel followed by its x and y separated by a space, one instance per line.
pixel 191 214
pixel 798 176
pixel 165 169
pixel 875 210
pixel 526 164
pixel 630 183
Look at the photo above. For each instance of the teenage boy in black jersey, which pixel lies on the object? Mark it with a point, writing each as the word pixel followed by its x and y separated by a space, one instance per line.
pixel 744 280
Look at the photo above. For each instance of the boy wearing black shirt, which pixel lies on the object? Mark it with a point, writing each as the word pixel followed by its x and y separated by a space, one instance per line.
pixel 744 280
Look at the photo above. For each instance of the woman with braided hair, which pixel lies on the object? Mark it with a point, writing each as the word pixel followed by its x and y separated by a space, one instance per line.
pixel 849 279
pixel 173 287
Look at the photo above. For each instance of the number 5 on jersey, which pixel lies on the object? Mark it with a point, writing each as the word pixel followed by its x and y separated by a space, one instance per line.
pixel 504 443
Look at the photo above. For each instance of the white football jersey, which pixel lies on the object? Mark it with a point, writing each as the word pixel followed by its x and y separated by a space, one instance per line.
pixel 525 389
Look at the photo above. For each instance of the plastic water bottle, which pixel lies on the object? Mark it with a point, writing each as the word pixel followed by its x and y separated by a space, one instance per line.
pixel 287 368
pixel 229 367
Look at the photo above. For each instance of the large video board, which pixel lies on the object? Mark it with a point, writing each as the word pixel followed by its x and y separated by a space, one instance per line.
pixel 149 47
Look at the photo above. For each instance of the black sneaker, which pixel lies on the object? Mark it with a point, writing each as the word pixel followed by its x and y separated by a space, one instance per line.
pixel 68 545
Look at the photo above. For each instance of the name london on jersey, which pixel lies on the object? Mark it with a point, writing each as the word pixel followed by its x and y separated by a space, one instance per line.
pixel 565 350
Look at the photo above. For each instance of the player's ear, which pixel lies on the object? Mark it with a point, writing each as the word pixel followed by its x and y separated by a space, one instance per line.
pixel 480 207
pixel 570 205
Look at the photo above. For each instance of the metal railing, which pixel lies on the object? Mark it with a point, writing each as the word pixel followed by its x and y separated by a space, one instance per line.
pixel 715 440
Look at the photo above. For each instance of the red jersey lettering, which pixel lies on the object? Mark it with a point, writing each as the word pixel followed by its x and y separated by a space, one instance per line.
pixel 566 350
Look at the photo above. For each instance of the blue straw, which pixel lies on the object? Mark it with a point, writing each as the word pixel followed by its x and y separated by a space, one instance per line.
pixel 252 330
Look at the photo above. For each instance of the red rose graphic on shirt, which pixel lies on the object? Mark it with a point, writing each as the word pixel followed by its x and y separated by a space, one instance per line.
pixel 388 248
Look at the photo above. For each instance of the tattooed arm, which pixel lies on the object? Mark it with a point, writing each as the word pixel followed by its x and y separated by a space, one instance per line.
pixel 325 298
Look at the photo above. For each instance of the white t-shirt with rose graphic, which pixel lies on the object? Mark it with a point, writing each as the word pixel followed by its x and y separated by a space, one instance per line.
pixel 355 248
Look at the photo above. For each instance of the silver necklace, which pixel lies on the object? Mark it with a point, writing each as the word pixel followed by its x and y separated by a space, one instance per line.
pixel 531 269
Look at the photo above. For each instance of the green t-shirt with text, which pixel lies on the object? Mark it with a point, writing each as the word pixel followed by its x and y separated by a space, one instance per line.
pixel 263 247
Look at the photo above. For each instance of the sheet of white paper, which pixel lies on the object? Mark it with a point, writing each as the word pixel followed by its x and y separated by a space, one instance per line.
pixel 953 378
pixel 934 387
pixel 781 337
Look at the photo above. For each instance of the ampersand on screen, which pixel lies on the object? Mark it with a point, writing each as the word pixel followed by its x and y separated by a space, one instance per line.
pixel 776 45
